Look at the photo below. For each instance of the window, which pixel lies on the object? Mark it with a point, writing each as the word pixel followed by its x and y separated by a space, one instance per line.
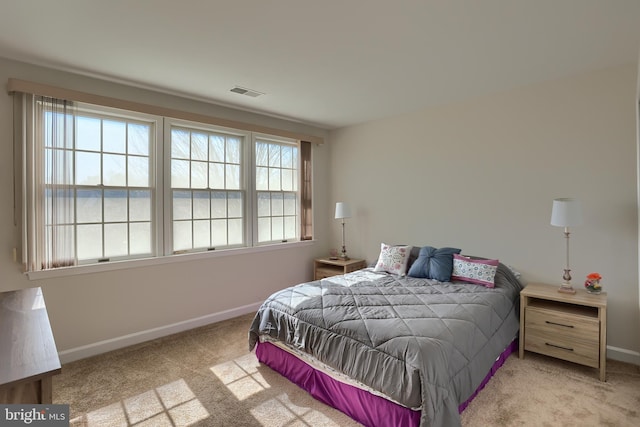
pixel 208 190
pixel 104 184
pixel 277 190
pixel 112 186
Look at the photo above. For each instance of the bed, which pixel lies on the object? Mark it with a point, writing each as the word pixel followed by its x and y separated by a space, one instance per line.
pixel 389 348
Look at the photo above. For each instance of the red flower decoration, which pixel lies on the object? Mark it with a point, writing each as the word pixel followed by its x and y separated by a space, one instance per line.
pixel 594 276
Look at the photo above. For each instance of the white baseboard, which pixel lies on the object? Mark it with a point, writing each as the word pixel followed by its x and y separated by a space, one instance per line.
pixel 77 353
pixel 623 355
pixel 100 347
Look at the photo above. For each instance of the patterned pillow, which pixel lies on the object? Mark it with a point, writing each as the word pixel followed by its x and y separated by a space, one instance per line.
pixel 480 271
pixel 393 259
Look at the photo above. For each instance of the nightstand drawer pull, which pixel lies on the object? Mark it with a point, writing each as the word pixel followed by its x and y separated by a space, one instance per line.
pixel 558 324
pixel 559 346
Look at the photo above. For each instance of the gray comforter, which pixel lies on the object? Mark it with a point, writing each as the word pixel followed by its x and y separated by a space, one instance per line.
pixel 425 344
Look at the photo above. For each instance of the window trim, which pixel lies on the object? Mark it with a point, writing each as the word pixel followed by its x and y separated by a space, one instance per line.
pixel 160 260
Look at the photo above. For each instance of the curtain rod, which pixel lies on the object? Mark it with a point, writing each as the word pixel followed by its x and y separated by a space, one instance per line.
pixel 24 86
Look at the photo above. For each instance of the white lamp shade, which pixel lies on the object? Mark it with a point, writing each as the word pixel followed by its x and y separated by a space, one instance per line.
pixel 566 212
pixel 342 210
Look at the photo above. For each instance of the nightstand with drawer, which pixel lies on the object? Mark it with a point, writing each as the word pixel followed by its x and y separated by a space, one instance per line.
pixel 571 327
pixel 325 267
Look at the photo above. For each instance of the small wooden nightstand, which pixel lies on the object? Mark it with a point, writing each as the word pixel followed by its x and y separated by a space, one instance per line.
pixel 325 267
pixel 566 326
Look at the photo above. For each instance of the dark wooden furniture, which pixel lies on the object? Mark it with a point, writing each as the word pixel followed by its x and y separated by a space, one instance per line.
pixel 28 354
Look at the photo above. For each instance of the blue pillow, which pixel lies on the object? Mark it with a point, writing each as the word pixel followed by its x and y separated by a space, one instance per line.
pixel 434 263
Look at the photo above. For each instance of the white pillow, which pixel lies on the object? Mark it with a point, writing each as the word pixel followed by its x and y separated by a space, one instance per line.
pixel 393 259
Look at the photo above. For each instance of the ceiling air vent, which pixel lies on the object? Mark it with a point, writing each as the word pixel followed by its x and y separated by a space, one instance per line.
pixel 244 91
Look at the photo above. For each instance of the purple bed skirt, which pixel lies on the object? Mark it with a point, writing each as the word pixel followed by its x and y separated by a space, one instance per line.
pixel 364 407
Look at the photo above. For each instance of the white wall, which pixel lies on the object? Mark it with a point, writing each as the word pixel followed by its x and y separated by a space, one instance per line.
pixel 481 175
pixel 91 312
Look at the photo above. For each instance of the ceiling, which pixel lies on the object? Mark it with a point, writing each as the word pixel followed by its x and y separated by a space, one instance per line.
pixel 329 63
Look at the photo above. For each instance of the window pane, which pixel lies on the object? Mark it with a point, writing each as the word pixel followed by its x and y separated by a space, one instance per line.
pixel 115 205
pixel 114 136
pixel 287 180
pixel 114 170
pixel 290 202
pixel 138 169
pixel 219 204
pixel 201 234
pixel 63 242
pixel 199 142
pixel 89 206
pixel 140 237
pixel 88 133
pixel 87 168
pixel 233 177
pixel 262 153
pixel 116 240
pixel 198 175
pixel 182 205
pixel 219 232
pixel 216 148
pixel 274 155
pixel 277 205
pixel 287 157
pixel 59 206
pixel 60 134
pixel 182 237
pixel 138 139
pixel 179 144
pixel 58 166
pixel 262 179
pixel 264 204
pixel 274 179
pixel 264 229
pixel 201 204
pixel 89 241
pixel 179 174
pixel 290 227
pixel 277 228
pixel 236 235
pixel 233 150
pixel 235 205
pixel 216 175
pixel 140 205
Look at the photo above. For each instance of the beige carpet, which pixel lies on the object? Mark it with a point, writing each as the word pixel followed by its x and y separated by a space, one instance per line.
pixel 207 377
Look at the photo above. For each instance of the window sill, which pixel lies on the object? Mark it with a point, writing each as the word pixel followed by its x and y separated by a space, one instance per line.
pixel 161 260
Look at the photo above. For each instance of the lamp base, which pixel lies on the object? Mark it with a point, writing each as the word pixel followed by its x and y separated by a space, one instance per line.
pixel 566 289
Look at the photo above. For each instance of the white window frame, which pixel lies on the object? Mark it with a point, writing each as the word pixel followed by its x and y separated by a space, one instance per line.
pixel 156 154
pixel 245 186
pixel 257 137
pixel 160 171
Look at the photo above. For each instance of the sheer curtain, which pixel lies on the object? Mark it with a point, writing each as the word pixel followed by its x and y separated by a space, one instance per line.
pixel 48 177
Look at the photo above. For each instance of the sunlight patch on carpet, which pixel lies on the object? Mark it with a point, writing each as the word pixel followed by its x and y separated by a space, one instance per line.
pixel 241 376
pixel 172 404
pixel 280 411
